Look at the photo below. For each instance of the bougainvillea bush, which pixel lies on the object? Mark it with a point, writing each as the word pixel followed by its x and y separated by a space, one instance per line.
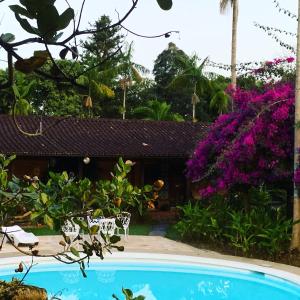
pixel 251 146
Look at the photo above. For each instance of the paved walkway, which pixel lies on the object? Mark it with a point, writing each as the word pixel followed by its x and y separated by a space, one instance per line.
pixel 159 230
pixel 149 244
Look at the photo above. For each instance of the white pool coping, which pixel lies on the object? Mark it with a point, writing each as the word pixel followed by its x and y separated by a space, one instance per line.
pixel 165 259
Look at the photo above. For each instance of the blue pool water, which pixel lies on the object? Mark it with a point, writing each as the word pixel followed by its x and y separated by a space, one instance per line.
pixel 157 282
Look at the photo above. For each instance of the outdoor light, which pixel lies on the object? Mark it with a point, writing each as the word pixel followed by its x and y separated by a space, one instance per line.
pixel 86 160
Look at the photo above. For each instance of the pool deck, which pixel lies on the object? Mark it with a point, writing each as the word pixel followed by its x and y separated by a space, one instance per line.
pixel 153 245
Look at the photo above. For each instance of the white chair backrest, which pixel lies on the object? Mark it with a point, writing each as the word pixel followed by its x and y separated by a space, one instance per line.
pixel 70 228
pixel 10 229
pixel 107 226
pixel 124 217
pixel 93 221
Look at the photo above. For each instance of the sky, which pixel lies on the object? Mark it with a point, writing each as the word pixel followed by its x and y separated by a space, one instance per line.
pixel 203 30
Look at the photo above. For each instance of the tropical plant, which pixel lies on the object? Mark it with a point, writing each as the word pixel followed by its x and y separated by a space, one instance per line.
pixel 64 198
pixel 21 105
pixel 219 102
pixel 167 66
pixel 129 295
pixel 262 230
pixel 130 73
pixel 157 110
pixel 192 76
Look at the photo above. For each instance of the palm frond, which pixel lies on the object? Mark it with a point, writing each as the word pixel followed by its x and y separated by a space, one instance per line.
pixel 219 102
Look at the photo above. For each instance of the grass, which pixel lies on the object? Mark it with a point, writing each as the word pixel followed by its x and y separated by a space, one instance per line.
pixel 134 229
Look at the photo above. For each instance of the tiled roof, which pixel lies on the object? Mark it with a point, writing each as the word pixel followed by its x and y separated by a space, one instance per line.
pixel 99 137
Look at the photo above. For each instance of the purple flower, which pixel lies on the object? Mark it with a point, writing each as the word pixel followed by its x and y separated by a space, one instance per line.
pixel 252 145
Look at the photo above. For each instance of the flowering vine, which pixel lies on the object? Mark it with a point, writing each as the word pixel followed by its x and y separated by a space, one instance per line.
pixel 250 146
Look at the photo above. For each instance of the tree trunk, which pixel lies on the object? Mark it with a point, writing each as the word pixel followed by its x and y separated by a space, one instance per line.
pixel 296 207
pixel 233 42
pixel 124 103
pixel 194 112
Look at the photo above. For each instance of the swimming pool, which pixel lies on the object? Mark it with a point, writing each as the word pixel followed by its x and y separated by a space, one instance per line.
pixel 162 278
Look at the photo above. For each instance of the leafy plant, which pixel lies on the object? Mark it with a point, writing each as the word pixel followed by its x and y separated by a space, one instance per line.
pixel 264 229
pixel 47 18
pixel 241 233
pixel 128 295
pixel 200 222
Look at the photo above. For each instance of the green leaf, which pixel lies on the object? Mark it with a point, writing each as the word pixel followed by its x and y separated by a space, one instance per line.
pixel 147 188
pixel 63 53
pixel 21 11
pixel 129 188
pixel 75 253
pixel 16 91
pixel 83 272
pixel 8 160
pixel 35 215
pixel 115 239
pixel 7 37
pixel 47 20
pixel 127 293
pixel 140 208
pixel 49 221
pixel 33 6
pixel 65 18
pixel 97 213
pixel 25 25
pixel 44 198
pixel 94 229
pixel 57 36
pixel 165 4
pixel 65 175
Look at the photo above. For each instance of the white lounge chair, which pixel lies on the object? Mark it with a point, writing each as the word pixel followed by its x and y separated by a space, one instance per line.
pixel 20 237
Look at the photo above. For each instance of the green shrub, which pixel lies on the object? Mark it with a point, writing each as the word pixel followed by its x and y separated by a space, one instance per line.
pixel 262 229
pixel 201 222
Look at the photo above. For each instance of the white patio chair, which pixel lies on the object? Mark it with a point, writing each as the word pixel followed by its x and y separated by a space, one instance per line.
pixel 71 230
pixel 124 218
pixel 94 221
pixel 20 237
pixel 107 226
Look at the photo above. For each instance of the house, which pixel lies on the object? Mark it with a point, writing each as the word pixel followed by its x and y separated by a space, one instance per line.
pixel 90 148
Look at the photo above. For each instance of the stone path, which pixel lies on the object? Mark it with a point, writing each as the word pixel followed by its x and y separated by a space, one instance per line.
pixel 158 230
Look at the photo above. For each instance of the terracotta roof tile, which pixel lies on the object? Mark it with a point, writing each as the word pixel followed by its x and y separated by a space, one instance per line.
pixel 99 137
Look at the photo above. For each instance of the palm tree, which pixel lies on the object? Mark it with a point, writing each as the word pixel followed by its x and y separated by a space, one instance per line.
pixel 157 110
pixel 223 5
pixel 93 81
pixel 130 73
pixel 192 76
pixel 296 228
pixel 219 102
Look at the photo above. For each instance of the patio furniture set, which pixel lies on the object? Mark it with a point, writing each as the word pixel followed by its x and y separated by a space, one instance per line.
pixel 106 226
